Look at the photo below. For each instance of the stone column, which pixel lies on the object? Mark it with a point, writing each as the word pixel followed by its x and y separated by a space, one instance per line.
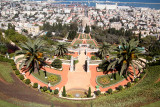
pixel 71 66
pixel 87 64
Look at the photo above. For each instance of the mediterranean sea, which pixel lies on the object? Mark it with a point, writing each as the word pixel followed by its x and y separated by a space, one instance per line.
pixel 153 6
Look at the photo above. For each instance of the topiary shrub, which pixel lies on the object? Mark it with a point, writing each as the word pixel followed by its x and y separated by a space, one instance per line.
pixel 89 92
pixel 27 81
pixel 93 57
pixel 35 85
pixel 56 91
pixel 17 72
pixel 98 92
pixel 57 63
pixel 128 84
pixel 44 88
pixel 64 92
pixel 136 80
pixel 21 77
pixel 110 91
pixel 120 87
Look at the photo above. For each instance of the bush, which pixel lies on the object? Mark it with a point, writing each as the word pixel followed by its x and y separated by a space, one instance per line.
pixel 56 91
pixel 48 91
pixel 141 75
pixel 27 81
pixel 57 63
pixel 35 85
pixel 21 77
pixel 45 88
pixel 17 72
pixel 110 91
pixel 98 92
pixel 93 57
pixel 64 92
pixel 128 84
pixel 136 80
pixel 14 67
pixel 89 92
pixel 69 57
pixel 120 87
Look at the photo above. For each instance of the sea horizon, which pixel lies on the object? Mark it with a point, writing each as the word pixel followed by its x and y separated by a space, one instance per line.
pixel 153 6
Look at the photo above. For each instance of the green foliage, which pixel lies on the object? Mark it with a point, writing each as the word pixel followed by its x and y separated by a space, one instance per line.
pixel 127 55
pixel 98 92
pixel 57 63
pixel 27 81
pixel 3 49
pixel 120 87
pixel 35 85
pixel 64 92
pixel 110 91
pixel 136 80
pixel 49 34
pixel 72 35
pixel 89 92
pixel 93 57
pixel 15 37
pixel 104 50
pixel 21 77
pixel 14 67
pixel 141 75
pixel 56 91
pixel 52 78
pixel 17 72
pixel 75 62
pixel 61 50
pixel 104 65
pixel 129 84
pixel 45 88
pixel 87 29
pixel 32 55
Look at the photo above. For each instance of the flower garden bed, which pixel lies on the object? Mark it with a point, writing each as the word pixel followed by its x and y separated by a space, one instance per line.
pixel 106 80
pixel 52 78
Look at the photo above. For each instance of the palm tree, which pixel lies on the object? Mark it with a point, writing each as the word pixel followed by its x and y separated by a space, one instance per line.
pixel 127 55
pixel 61 50
pixel 32 55
pixel 104 50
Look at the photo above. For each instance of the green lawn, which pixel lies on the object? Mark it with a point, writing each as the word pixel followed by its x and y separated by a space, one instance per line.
pixel 91 42
pixel 6 104
pixel 112 82
pixel 5 71
pixel 155 104
pixel 77 42
pixel 42 78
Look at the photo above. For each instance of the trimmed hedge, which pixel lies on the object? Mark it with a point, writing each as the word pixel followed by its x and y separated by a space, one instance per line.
pixel 35 85
pixel 27 81
pixel 120 87
pixel 129 84
pixel 21 77
pixel 57 63
pixel 98 92
pixel 56 91
pixel 45 88
pixel 110 91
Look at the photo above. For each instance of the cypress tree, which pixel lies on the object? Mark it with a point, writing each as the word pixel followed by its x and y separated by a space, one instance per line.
pixel 64 92
pixel 89 92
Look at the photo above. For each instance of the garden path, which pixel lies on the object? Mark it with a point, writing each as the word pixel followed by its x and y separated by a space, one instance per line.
pixel 79 79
